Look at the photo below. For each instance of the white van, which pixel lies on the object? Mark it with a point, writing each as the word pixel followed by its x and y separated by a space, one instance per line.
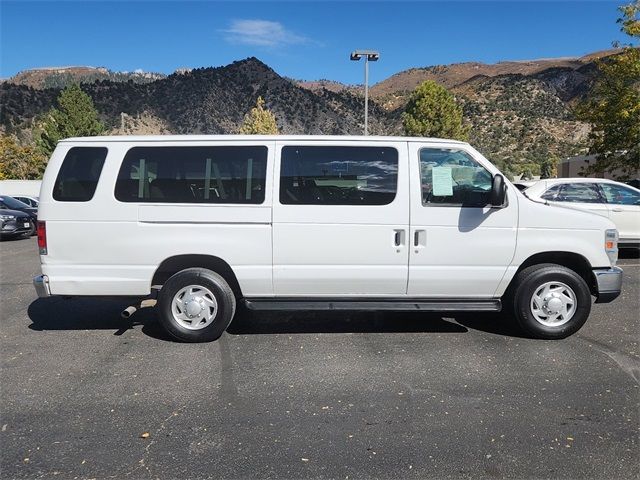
pixel 312 222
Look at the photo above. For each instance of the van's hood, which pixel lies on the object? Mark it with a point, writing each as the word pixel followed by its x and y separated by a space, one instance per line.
pixel 534 214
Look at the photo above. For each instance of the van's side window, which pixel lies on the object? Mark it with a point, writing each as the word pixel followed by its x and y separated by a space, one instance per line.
pixel 78 176
pixel 452 177
pixel 225 174
pixel 337 175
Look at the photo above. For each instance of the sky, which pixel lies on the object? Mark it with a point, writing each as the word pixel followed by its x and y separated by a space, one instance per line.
pixel 302 39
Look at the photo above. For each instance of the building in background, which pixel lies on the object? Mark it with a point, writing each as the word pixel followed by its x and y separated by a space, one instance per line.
pixel 575 166
pixel 29 188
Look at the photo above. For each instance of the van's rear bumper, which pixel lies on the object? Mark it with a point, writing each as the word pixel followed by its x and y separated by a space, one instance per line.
pixel 41 284
pixel 608 283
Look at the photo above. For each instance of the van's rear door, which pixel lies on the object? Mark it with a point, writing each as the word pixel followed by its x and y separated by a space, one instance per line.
pixel 340 218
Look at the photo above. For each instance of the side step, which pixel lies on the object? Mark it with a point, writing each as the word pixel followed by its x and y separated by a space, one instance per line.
pixel 423 305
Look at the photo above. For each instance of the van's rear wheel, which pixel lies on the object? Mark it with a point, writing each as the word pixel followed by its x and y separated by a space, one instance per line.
pixel 196 305
pixel 550 301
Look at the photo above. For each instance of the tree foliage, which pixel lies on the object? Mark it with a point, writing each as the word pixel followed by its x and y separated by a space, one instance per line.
pixel 548 167
pixel 629 20
pixel 259 121
pixel 613 108
pixel 432 111
pixel 19 162
pixel 75 116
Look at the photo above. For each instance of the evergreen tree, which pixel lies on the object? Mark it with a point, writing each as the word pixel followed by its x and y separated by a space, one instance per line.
pixel 432 111
pixel 259 121
pixel 613 108
pixel 75 116
pixel 548 167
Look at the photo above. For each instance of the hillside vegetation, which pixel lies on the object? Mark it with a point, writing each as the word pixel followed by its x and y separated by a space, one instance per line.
pixel 60 77
pixel 520 113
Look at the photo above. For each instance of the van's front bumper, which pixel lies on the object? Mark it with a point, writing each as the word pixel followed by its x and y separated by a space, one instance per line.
pixel 608 284
pixel 41 284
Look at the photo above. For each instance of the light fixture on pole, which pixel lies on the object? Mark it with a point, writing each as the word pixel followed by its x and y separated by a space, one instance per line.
pixel 369 55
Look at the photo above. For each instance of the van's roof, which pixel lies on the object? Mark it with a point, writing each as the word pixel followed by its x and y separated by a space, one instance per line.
pixel 208 138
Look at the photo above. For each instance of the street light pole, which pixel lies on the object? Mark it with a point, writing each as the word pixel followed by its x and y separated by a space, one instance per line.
pixel 368 55
pixel 366 96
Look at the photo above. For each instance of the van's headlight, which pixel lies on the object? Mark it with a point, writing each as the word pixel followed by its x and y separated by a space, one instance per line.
pixel 7 217
pixel 611 245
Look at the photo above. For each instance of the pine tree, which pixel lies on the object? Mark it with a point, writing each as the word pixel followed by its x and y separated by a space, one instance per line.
pixel 432 111
pixel 259 121
pixel 75 116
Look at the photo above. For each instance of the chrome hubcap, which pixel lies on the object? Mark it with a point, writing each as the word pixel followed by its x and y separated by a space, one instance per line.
pixel 553 304
pixel 194 307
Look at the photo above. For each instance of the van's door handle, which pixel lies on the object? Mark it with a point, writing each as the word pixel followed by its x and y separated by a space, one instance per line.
pixel 616 209
pixel 419 238
pixel 398 238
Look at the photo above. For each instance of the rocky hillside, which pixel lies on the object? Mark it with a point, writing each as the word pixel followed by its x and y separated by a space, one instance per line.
pixel 520 112
pixel 204 100
pixel 392 93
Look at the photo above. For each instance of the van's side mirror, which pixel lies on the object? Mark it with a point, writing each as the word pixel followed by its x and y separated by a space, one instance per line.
pixel 498 191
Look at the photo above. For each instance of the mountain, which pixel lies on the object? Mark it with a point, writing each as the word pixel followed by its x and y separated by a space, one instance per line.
pixel 393 92
pixel 203 100
pixel 60 77
pixel 520 113
pixel 331 85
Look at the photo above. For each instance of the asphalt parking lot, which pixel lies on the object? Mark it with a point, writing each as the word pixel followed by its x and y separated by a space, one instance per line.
pixel 86 394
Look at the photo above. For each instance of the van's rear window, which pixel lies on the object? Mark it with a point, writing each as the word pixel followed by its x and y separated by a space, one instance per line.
pixel 222 174
pixel 78 176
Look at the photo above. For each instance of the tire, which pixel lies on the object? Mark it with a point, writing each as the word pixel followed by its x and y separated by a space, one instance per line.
pixel 196 305
pixel 556 312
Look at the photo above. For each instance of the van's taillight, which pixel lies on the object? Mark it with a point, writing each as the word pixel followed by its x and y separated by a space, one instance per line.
pixel 42 237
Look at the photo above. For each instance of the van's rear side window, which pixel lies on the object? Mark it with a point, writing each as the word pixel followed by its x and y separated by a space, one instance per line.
pixel 78 176
pixel 338 175
pixel 223 174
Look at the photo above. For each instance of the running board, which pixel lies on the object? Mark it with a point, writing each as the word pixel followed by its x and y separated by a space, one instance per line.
pixel 422 305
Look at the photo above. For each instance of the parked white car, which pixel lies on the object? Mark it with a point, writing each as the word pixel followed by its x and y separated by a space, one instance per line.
pixel 309 222
pixel 614 200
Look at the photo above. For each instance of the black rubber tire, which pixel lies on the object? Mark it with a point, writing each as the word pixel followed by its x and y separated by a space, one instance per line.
pixel 525 285
pixel 206 278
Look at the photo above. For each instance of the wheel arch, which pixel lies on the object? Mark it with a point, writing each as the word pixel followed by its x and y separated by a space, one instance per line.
pixel 571 260
pixel 176 263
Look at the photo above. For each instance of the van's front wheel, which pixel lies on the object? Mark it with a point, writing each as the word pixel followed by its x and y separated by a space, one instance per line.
pixel 550 301
pixel 196 305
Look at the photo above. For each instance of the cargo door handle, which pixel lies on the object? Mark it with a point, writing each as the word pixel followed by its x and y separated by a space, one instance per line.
pixel 616 209
pixel 419 238
pixel 398 238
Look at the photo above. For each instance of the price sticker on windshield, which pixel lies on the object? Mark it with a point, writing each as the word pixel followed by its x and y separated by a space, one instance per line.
pixel 442 181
